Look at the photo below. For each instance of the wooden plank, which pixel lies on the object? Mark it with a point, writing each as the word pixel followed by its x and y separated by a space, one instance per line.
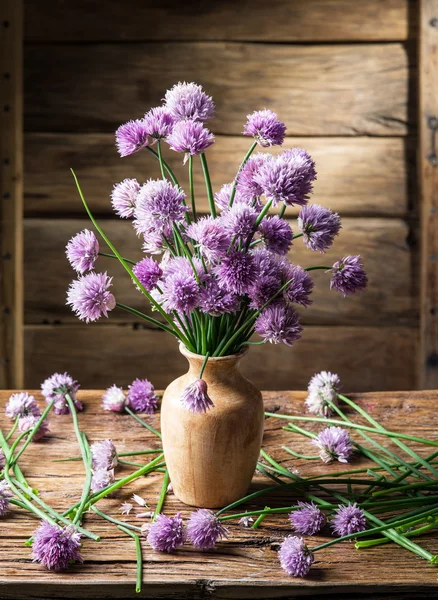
pixel 275 21
pixel 359 89
pixel 356 176
pixel 391 298
pixel 428 172
pixel 244 566
pixel 366 358
pixel 11 194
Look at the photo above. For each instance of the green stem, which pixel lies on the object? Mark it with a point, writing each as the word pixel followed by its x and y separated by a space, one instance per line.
pixel 317 268
pixel 242 164
pixel 127 260
pixel 204 364
pixel 86 457
pixel 282 211
pixel 160 159
pixel 304 456
pixel 14 427
pixel 166 166
pixel 388 433
pixel 152 429
pixel 162 496
pixel 408 534
pixel 141 315
pixel 192 189
pixel 139 453
pixel 208 185
pixel 260 519
pixel 113 520
pixel 139 557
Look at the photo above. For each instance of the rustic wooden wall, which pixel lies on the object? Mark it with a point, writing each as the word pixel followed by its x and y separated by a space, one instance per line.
pixel 341 74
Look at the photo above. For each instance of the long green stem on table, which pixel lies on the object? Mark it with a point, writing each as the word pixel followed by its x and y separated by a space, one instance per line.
pixel 139 557
pixel 242 164
pixel 162 496
pixel 392 434
pixel 117 485
pixel 408 534
pixel 261 518
pixel 137 418
pixel 399 443
pixel 139 453
pixel 208 184
pixel 127 268
pixel 127 260
pixel 192 189
pixel 86 457
pixel 113 520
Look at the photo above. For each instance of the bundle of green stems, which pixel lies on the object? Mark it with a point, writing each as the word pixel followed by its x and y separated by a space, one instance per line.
pixel 398 493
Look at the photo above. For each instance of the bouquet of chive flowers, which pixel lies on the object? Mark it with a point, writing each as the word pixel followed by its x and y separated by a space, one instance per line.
pixel 225 276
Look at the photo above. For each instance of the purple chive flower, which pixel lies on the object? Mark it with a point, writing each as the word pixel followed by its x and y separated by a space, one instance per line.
pixel 131 137
pixel 301 286
pixel 308 520
pixel 295 557
pixel 237 271
pixel 246 184
pixel 82 251
pixel 279 324
pixel 277 234
pixel 263 289
pixel 182 265
pixel 28 422
pixel 159 205
pixel 90 298
pixel 180 293
pixel 114 399
pixel 124 198
pixel 189 101
pixel 334 443
pixel 56 387
pixel 148 272
pixel 153 242
pixel 5 496
pixel 348 276
pixel 323 391
pixel 204 529
pixel 158 123
pixel 56 547
pixel 142 397
pixel 211 238
pixel 287 178
pixel 216 300
pixel 239 221
pixel 101 479
pixel 104 455
pixel 21 404
pixel 166 534
pixel 190 137
pixel 265 127
pixel 195 397
pixel 319 226
pixel 348 519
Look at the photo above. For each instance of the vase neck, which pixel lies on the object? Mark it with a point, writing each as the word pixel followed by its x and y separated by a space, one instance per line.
pixel 220 368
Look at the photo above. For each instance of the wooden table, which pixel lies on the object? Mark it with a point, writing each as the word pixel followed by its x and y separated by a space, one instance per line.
pixel 244 566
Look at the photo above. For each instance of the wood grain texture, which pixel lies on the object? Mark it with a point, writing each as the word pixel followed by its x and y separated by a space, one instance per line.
pixel 391 297
pixel 366 358
pixel 356 176
pixel 428 172
pixel 316 90
pixel 11 194
pixel 256 20
pixel 244 566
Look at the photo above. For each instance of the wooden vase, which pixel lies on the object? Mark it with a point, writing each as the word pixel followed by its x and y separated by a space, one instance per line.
pixel 212 456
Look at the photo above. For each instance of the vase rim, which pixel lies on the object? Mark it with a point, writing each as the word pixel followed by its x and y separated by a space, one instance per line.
pixel 189 354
